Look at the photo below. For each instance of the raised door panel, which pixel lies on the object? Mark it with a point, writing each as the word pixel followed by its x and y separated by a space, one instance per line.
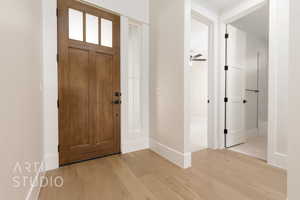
pixel 236 56
pixel 75 101
pixel 104 96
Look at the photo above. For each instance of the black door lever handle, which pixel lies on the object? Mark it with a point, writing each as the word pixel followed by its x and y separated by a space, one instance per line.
pixel 117 102
pixel 118 94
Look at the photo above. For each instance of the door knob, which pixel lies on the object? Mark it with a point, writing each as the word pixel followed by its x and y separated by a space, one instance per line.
pixel 245 101
pixel 118 94
pixel 117 102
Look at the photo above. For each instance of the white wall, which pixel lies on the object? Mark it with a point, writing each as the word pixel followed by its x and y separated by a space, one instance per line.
pixel 263 86
pixel 199 90
pixel 278 82
pixel 198 105
pixel 283 61
pixel 135 9
pixel 256 46
pixel 21 97
pixel 167 65
pixel 293 102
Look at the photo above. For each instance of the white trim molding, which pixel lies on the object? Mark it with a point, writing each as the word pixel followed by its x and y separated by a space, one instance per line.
pixel 183 160
pixel 278 160
pixel 133 145
pixel 134 142
pixel 35 187
pixel 276 60
pixel 211 19
pixel 51 161
pixel 275 158
pixel 242 10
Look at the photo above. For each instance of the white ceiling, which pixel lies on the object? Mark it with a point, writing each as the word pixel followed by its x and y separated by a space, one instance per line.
pixel 219 6
pixel 256 23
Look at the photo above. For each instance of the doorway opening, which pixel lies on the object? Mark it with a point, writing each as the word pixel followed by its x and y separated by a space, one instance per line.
pixel 199 82
pixel 246 84
pixel 89 82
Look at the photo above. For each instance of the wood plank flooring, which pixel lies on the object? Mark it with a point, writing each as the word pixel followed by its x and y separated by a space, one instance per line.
pixel 144 175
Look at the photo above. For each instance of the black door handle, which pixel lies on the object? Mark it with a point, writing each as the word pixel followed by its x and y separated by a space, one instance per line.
pixel 118 94
pixel 117 102
pixel 245 101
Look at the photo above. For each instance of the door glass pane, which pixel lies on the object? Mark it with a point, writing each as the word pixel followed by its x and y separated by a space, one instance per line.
pixel 75 25
pixel 106 33
pixel 92 29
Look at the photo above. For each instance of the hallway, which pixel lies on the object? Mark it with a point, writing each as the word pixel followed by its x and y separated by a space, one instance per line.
pixel 254 146
pixel 142 100
pixel 143 175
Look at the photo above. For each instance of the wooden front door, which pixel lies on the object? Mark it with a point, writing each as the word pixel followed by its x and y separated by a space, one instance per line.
pixel 89 82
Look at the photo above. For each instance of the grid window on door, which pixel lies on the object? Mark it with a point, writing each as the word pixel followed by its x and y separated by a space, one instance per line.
pixel 75 25
pixel 92 29
pixel 106 33
pixel 85 27
pixel 134 80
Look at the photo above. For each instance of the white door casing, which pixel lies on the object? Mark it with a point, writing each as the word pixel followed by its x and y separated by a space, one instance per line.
pixel 236 57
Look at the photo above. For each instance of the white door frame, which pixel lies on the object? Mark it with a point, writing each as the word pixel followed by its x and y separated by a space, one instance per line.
pixel 227 18
pixel 212 83
pixel 50 88
pixel 129 144
pixel 274 158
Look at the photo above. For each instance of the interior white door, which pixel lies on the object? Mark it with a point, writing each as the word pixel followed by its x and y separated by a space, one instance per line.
pixel 236 61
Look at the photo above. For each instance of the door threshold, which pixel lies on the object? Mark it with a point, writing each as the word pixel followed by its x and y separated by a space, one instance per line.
pixel 81 161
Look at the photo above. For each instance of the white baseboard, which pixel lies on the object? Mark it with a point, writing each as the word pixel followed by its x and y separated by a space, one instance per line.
pixel 279 160
pixel 183 160
pixel 135 145
pixel 35 188
pixel 51 162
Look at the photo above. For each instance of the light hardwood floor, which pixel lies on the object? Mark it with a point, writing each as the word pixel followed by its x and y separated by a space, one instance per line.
pixel 143 175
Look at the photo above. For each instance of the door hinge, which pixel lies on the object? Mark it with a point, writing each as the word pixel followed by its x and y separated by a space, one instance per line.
pixel 226 99
pixel 226 36
pixel 57 12
pixel 57 58
pixel 57 103
pixel 225 131
pixel 58 148
pixel 226 68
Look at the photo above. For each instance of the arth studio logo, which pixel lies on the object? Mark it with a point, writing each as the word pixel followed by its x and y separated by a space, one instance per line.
pixel 24 174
